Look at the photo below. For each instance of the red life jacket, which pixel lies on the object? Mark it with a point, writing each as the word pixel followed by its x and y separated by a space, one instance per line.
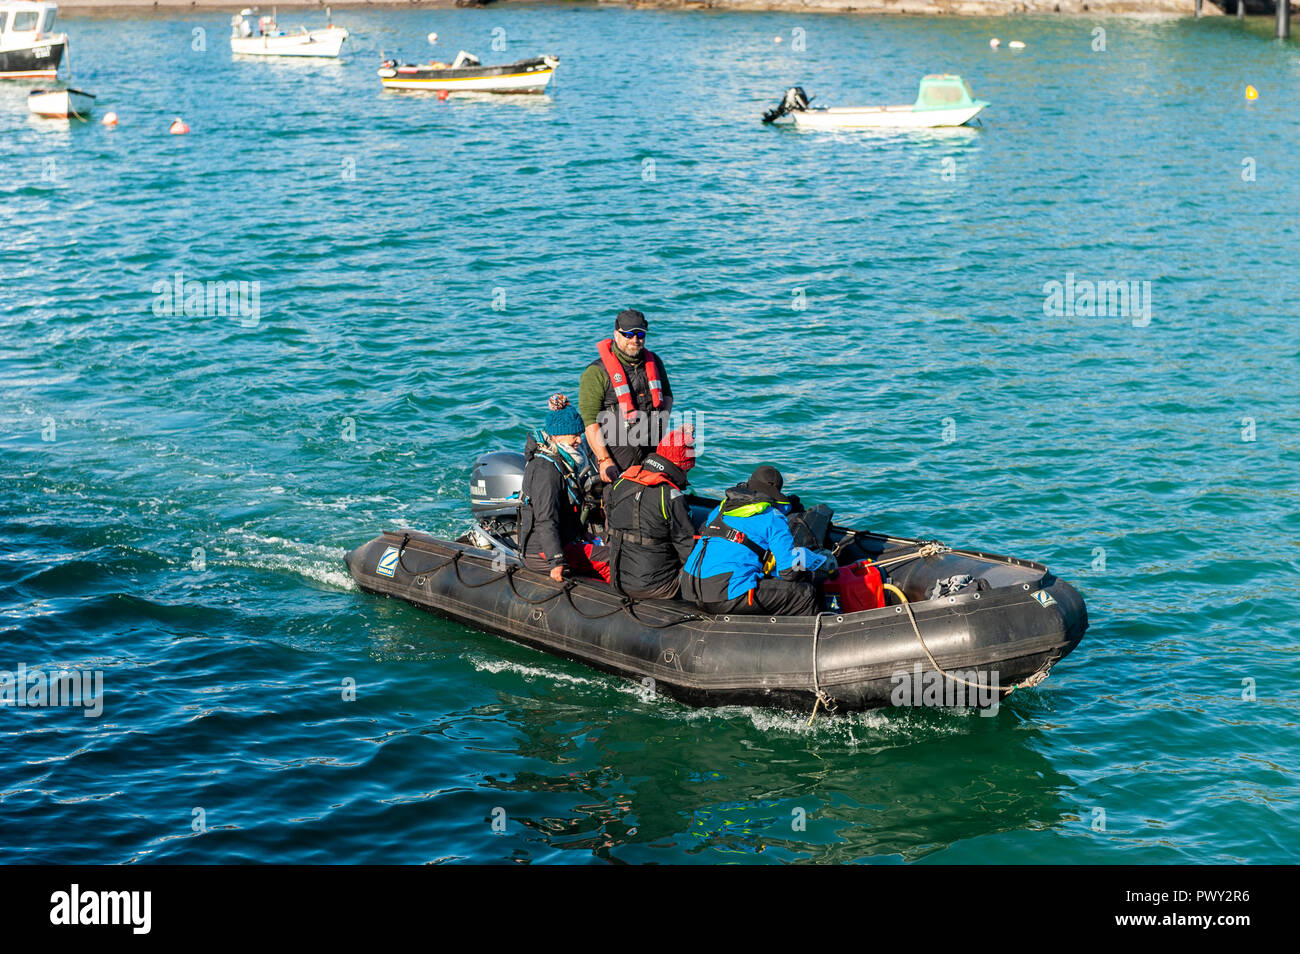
pixel 618 377
pixel 647 478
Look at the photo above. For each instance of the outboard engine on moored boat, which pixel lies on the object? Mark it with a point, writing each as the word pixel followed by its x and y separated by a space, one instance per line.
pixel 795 98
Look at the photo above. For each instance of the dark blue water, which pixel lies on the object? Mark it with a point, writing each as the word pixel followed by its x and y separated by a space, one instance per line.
pixel 866 310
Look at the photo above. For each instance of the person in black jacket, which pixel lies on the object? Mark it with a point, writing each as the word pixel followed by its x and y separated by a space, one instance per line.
pixel 551 522
pixel 650 529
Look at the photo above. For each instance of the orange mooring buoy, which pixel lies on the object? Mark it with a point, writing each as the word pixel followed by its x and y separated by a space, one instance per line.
pixel 442 94
pixel 179 128
pixel 1251 92
pixel 110 119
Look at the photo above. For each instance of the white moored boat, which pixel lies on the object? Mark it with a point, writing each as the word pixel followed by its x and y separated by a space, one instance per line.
pixel 467 75
pixel 270 40
pixel 61 103
pixel 29 47
pixel 943 100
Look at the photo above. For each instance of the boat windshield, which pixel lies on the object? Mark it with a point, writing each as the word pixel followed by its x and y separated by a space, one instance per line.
pixel 942 93
pixel 24 21
pixel 48 25
pixel 4 16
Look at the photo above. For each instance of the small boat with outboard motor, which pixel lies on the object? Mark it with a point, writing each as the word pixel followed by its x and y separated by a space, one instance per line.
pixel 270 40
pixel 465 74
pixel 29 47
pixel 942 100
pixel 950 616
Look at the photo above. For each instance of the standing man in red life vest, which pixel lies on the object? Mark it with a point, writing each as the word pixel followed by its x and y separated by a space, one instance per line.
pixel 624 398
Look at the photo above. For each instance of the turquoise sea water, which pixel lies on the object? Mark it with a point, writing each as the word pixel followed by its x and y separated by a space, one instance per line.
pixel 429 271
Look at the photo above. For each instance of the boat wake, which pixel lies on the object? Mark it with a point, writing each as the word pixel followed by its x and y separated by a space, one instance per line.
pixel 315 562
pixel 879 724
pixel 532 673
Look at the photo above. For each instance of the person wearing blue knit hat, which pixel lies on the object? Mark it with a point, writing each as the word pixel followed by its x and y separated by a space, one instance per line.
pixel 565 424
pixel 552 520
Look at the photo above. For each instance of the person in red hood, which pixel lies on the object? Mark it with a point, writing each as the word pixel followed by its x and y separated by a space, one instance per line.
pixel 649 521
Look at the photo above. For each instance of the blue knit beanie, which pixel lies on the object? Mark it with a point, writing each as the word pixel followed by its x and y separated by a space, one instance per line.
pixel 566 420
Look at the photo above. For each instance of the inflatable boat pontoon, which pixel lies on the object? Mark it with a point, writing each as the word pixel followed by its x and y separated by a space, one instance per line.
pixel 1006 631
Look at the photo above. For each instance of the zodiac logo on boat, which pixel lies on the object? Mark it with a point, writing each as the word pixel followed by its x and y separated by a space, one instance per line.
pixel 388 562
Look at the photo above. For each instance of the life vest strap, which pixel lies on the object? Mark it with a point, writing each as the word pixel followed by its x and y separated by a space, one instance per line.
pixel 717 528
pixel 621 383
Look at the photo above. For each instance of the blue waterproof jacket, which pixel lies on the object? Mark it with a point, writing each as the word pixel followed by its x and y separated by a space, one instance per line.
pixel 714 558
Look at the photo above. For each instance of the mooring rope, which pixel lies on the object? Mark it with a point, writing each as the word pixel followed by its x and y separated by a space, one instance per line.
pixel 927 549
pixel 1029 683
pixel 822 698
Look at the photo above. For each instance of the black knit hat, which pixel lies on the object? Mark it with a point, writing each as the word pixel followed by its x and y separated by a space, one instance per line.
pixel 766 481
pixel 629 319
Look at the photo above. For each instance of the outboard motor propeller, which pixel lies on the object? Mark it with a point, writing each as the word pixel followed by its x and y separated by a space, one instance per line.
pixel 795 99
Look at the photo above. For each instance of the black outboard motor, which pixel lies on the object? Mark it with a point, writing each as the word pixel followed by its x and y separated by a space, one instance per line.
pixel 795 98
pixel 495 486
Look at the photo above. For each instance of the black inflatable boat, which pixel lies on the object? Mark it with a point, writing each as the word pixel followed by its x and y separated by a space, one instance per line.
pixel 968 646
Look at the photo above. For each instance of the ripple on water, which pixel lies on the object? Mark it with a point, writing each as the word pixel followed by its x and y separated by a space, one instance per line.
pixel 866 310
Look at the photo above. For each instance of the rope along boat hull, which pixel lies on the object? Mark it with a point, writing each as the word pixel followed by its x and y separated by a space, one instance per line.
pixel 1017 629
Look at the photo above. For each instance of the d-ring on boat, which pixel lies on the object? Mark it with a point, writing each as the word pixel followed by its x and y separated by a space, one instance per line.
pixel 1015 620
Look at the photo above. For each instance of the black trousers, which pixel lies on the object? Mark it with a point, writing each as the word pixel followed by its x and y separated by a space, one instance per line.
pixel 771 598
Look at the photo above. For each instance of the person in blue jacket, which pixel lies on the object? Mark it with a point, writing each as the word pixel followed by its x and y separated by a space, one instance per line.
pixel 744 535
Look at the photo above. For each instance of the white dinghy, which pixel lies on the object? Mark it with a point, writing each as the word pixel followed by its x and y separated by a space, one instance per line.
pixel 942 100
pixel 270 40
pixel 61 103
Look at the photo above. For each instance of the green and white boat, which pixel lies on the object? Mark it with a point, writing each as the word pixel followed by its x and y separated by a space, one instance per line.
pixel 944 99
